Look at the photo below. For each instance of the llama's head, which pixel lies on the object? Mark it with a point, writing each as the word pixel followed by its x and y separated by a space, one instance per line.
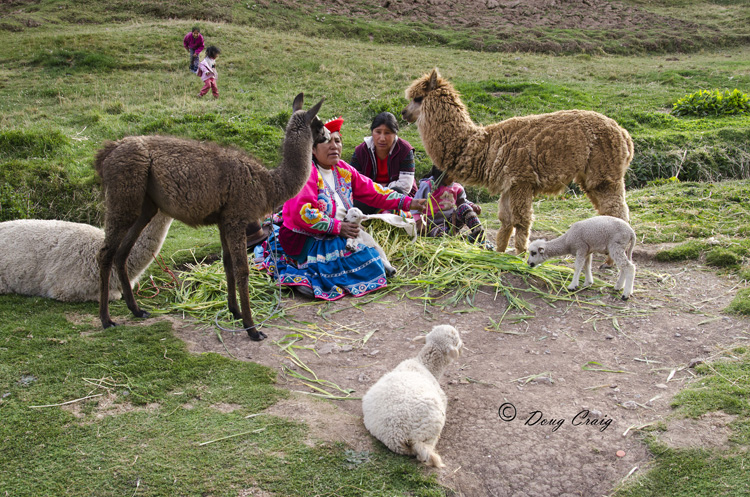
pixel 418 91
pixel 302 119
pixel 536 252
pixel 354 215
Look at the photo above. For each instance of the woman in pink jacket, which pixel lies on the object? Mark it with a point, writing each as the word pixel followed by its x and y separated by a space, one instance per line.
pixel 193 43
pixel 313 235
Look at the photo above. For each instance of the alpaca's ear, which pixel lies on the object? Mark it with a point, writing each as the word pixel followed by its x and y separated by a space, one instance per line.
pixel 432 84
pixel 314 110
pixel 420 339
pixel 298 100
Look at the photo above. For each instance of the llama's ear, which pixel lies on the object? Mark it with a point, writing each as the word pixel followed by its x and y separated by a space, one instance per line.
pixel 420 339
pixel 541 250
pixel 298 100
pixel 432 84
pixel 314 110
pixel 454 352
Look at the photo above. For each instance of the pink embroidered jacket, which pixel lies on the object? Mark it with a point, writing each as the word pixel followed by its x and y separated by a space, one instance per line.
pixel 312 210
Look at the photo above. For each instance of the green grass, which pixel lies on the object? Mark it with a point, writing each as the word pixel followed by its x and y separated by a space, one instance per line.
pixel 81 73
pixel 156 403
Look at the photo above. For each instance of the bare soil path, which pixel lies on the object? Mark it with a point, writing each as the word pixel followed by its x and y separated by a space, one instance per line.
pixel 563 428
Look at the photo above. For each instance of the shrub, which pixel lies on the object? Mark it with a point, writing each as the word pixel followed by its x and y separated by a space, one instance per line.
pixel 712 103
pixel 682 252
pixel 721 257
pixel 741 303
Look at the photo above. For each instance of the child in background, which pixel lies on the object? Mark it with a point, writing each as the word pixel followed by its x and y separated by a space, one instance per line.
pixel 449 209
pixel 193 43
pixel 207 72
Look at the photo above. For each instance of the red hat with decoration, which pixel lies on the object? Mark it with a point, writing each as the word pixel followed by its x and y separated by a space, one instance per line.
pixel 334 125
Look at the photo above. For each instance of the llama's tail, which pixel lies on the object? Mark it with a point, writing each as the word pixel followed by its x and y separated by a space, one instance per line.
pixel 102 154
pixel 426 454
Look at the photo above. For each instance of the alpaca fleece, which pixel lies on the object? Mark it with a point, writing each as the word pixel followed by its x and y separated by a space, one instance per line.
pixel 405 409
pixel 522 157
pixel 57 259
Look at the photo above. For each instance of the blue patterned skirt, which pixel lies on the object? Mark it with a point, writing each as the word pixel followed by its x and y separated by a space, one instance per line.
pixel 330 269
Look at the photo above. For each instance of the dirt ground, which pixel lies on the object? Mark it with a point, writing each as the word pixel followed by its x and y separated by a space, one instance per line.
pixel 507 434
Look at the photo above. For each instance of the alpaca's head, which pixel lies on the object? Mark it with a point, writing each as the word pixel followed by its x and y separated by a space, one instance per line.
pixel 536 252
pixel 302 119
pixel 421 89
pixel 443 339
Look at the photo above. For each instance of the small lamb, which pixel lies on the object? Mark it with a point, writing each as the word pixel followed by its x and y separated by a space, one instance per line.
pixel 601 234
pixel 405 409
pixel 356 216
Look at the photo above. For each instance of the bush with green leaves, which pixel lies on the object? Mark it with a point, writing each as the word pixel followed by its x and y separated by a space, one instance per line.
pixel 712 103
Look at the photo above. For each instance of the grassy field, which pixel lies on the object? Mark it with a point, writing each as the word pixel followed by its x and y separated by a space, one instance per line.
pixel 81 73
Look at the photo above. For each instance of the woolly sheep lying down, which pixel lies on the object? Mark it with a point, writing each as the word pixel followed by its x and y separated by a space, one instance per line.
pixel 356 216
pixel 602 235
pixel 405 409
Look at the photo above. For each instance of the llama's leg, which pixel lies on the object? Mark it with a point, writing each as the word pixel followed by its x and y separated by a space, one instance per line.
pixel 117 226
pixel 522 212
pixel 237 272
pixel 506 228
pixel 148 211
pixel 589 278
pixel 226 258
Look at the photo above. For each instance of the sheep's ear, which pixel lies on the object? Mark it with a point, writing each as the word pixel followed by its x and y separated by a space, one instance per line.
pixel 432 83
pixel 420 339
pixel 541 250
pixel 454 352
pixel 298 100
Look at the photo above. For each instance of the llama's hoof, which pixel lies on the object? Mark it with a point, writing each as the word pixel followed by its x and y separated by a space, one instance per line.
pixel 390 272
pixel 572 288
pixel 141 314
pixel 255 335
pixel 108 324
pixel 624 297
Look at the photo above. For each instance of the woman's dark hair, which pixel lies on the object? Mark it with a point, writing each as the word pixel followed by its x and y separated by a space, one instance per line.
pixel 385 118
pixel 212 51
pixel 196 28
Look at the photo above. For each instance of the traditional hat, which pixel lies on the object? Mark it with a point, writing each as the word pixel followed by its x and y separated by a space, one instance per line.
pixel 334 124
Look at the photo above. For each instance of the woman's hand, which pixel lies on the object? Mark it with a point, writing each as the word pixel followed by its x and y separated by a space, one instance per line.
pixel 349 230
pixel 477 208
pixel 419 204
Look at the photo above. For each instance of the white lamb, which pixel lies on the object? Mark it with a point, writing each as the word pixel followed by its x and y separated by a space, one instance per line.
pixel 601 234
pixel 405 409
pixel 356 216
pixel 57 259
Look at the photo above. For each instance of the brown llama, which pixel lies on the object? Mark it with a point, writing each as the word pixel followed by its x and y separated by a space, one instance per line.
pixel 199 184
pixel 522 157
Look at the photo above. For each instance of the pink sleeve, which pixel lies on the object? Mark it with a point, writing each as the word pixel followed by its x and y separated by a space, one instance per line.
pixel 303 213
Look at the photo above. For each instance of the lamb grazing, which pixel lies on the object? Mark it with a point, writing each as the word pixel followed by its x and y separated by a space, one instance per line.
pixel 405 409
pixel 356 216
pixel 57 259
pixel 199 184
pixel 522 157
pixel 601 234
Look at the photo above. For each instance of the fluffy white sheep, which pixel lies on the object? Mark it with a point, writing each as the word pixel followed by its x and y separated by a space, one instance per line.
pixel 405 409
pixel 601 234
pixel 356 216
pixel 57 259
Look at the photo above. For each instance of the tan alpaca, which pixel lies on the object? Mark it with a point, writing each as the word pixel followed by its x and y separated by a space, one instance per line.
pixel 197 183
pixel 522 157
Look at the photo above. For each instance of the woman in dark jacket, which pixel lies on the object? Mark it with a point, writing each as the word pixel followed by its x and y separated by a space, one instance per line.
pixel 385 158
